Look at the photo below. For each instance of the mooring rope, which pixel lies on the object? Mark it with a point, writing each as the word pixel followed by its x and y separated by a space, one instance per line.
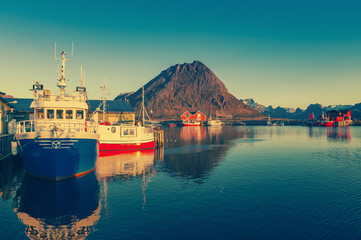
pixel 21 148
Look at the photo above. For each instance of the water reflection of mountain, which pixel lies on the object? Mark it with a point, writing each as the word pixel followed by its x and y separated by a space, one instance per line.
pixel 193 154
pixel 58 210
pixel 125 165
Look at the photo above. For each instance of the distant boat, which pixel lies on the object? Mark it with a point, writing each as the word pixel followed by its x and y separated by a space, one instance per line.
pixel 269 123
pixel 213 122
pixel 59 143
pixel 191 123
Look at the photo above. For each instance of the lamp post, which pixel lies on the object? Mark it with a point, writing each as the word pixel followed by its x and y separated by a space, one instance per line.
pixel 8 103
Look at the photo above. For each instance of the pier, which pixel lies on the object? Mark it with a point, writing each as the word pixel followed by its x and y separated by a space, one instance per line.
pixel 158 137
pixel 5 145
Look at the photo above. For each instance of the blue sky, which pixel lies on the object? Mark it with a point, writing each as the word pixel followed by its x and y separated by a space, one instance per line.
pixel 281 53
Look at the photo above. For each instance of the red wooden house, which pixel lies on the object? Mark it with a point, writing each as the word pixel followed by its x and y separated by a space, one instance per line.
pixel 193 116
pixel 341 117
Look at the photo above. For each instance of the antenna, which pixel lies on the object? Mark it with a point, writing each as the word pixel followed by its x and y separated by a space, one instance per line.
pixel 143 105
pixel 72 48
pixel 55 53
pixel 81 76
pixel 104 89
pixel 62 82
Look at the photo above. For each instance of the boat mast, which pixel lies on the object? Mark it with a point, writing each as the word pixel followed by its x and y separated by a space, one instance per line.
pixel 62 81
pixel 104 88
pixel 143 104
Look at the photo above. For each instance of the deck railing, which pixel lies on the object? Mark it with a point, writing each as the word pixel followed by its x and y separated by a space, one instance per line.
pixel 47 96
pixel 49 126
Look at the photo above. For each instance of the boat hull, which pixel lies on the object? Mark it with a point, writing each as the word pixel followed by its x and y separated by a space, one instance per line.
pixel 328 124
pixel 59 158
pixel 126 146
pixel 214 123
pixel 191 124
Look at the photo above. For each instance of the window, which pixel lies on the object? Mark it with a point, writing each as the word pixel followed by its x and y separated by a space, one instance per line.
pixel 59 114
pixel 50 114
pixel 128 131
pixel 69 114
pixel 113 129
pixel 39 113
pixel 79 114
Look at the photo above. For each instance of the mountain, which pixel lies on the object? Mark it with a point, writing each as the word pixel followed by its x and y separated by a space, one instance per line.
pixel 252 103
pixel 315 109
pixel 124 96
pixel 189 87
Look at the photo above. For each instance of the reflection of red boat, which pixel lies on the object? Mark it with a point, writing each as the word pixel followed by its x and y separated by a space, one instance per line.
pixel 197 133
pixel 126 152
pixel 126 163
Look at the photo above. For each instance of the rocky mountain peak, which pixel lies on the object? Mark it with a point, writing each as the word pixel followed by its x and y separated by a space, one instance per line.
pixel 189 86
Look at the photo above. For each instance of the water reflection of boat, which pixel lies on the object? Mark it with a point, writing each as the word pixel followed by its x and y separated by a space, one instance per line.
pixel 339 133
pixel 214 130
pixel 196 134
pixel 58 210
pixel 125 163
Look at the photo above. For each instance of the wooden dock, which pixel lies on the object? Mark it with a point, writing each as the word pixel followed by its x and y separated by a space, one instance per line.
pixel 5 145
pixel 158 137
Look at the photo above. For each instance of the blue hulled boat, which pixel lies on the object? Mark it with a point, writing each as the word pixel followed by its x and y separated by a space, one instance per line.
pixel 59 143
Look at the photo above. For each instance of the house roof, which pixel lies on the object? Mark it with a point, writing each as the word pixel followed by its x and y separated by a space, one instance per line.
pixel 344 111
pixel 112 105
pixel 23 105
pixel 193 113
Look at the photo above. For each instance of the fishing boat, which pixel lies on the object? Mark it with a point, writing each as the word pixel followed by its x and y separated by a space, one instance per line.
pixel 191 123
pixel 214 122
pixel 269 123
pixel 59 142
pixel 123 137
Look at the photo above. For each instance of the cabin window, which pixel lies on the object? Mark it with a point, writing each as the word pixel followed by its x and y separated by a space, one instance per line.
pixel 69 114
pixel 50 114
pixel 128 131
pixel 79 114
pixel 40 113
pixel 59 114
pixel 113 130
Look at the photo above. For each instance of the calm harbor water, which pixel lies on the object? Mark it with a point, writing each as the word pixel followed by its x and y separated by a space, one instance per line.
pixel 208 183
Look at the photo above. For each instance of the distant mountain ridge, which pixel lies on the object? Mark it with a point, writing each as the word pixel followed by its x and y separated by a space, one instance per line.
pixel 291 113
pixel 189 87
